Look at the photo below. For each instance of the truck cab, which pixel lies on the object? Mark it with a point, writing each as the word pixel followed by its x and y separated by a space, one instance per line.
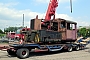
pixel 11 35
pixel 20 33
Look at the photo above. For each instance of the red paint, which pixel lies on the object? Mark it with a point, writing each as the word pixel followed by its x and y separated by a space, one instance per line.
pixel 51 10
pixel 11 35
pixel 19 35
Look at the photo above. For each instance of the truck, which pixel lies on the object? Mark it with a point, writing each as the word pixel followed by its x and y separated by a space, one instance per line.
pixel 18 34
pixel 48 35
pixel 10 35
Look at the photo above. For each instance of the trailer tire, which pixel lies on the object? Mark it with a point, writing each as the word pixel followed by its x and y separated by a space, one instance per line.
pixel 77 48
pixel 22 53
pixel 69 49
pixel 82 47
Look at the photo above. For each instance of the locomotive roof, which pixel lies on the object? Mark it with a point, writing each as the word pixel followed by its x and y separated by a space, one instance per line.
pixel 68 21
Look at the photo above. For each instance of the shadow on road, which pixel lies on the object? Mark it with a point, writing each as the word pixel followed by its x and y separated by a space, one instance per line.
pixel 33 54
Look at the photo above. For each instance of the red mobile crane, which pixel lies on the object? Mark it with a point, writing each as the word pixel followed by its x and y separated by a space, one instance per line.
pixel 51 10
pixel 53 4
pixel 41 39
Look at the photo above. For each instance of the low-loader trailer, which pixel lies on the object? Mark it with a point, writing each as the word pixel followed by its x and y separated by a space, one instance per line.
pixel 42 38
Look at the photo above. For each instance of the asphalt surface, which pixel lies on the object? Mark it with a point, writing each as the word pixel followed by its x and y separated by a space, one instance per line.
pixel 61 55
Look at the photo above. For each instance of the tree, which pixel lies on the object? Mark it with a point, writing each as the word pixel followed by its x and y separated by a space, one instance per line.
pixel 88 33
pixel 1 31
pixel 11 29
pixel 83 32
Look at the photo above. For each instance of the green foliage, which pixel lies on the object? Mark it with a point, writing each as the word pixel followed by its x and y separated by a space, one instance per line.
pixel 88 33
pixel 2 35
pixel 84 32
pixel 11 29
pixel 1 31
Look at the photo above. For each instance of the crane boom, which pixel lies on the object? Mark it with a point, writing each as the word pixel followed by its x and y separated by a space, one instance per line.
pixel 53 4
pixel 51 10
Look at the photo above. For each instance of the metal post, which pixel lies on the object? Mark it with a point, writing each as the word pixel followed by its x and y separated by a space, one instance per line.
pixel 71 5
pixel 23 20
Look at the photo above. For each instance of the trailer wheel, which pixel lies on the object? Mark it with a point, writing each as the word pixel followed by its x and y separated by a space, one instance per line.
pixel 82 47
pixel 69 49
pixel 22 53
pixel 77 48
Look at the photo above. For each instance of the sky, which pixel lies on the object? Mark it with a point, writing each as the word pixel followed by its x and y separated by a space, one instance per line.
pixel 11 11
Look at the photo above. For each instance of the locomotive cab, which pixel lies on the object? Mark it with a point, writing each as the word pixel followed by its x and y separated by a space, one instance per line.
pixel 53 31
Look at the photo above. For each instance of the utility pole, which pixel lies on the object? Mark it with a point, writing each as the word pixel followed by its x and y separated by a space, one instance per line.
pixel 71 5
pixel 23 20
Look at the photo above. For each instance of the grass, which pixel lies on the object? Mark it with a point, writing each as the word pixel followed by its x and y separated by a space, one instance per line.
pixel 2 35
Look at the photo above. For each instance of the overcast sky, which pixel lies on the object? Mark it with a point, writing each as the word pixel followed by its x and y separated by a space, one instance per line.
pixel 11 11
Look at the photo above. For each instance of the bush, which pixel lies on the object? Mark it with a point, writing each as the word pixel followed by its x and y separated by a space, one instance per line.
pixel 2 35
pixel 1 31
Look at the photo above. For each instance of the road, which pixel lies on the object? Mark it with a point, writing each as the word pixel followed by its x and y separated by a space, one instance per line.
pixel 75 55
